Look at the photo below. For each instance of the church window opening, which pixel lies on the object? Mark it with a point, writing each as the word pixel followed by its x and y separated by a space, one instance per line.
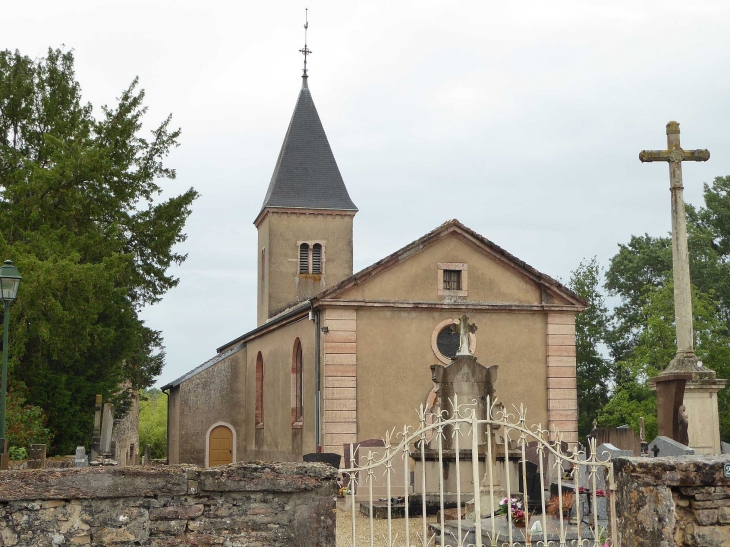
pixel 297 396
pixel 452 280
pixel 447 342
pixel 259 414
pixel 316 258
pixel 304 258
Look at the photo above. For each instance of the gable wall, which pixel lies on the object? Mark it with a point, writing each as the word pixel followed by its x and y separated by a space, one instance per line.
pixel 416 278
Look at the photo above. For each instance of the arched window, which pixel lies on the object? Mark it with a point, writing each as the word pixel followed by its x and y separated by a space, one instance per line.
pixel 304 258
pixel 259 415
pixel 297 404
pixel 316 258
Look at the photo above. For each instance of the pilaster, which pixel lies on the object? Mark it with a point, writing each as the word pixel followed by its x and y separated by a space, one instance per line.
pixel 561 375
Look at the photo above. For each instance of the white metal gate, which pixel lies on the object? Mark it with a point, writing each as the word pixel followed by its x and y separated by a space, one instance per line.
pixel 405 447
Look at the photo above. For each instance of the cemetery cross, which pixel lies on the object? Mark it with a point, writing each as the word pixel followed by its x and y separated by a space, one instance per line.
pixel 674 155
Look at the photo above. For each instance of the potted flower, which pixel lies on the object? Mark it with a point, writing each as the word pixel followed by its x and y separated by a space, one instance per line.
pixel 515 508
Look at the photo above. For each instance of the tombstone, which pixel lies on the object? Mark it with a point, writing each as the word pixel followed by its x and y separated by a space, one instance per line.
pixel 147 455
pixel 533 489
pixel 465 381
pixel 81 460
pixel 725 447
pixel 96 438
pixel 37 456
pixel 607 449
pixel 664 446
pixel 107 425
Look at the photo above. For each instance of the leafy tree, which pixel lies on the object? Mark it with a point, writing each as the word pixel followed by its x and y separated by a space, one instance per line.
pixel 26 423
pixel 81 216
pixel 591 327
pixel 153 422
pixel 656 347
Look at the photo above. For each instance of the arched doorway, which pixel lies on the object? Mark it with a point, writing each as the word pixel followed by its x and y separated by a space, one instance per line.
pixel 220 446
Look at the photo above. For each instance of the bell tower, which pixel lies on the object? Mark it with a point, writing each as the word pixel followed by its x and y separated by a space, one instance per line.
pixel 305 223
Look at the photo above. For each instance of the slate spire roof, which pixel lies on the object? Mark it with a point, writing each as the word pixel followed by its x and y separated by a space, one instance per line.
pixel 306 174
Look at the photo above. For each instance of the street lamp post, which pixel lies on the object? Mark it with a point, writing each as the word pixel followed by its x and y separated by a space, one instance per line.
pixel 9 283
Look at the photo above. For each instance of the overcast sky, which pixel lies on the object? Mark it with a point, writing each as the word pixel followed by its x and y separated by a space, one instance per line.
pixel 524 120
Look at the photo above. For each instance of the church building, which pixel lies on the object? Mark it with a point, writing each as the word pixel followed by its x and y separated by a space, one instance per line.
pixel 339 357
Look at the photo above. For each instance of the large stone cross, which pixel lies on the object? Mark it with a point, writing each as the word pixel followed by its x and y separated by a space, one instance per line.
pixel 464 328
pixel 680 257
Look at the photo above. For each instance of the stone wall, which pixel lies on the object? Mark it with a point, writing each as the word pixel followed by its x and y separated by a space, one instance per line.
pixel 252 504
pixel 673 501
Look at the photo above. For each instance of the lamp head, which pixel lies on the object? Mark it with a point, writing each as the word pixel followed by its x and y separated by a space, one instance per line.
pixel 9 281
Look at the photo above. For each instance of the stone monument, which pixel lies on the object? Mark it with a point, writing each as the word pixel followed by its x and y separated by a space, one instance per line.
pixel 465 382
pixel 685 380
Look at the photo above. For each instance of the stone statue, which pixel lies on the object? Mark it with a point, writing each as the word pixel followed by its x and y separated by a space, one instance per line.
pixel 464 329
pixel 683 432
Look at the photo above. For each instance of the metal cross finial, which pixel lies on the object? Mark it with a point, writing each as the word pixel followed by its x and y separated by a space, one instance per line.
pixel 306 51
pixel 675 155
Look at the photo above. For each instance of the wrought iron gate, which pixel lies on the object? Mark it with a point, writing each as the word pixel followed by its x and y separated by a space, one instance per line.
pixel 480 526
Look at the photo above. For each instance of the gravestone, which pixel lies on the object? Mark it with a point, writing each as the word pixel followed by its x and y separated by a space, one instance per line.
pixel 725 447
pixel 607 449
pixel 81 460
pixel 147 455
pixel 37 456
pixel 96 438
pixel 533 489
pixel 664 446
pixel 107 425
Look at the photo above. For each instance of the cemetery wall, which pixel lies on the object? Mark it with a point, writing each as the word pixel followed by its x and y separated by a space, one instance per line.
pixel 251 504
pixel 673 501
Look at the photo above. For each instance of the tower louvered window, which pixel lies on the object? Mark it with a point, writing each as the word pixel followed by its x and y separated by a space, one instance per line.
pixel 316 258
pixel 303 258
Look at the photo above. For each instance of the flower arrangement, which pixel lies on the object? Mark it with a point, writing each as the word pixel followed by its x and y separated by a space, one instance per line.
pixel 514 506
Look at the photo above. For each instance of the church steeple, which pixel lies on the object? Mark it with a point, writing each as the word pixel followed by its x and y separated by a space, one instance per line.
pixel 305 222
pixel 306 174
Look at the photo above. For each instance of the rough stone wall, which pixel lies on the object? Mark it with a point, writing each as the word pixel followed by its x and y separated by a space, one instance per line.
pixel 673 501
pixel 126 433
pixel 251 504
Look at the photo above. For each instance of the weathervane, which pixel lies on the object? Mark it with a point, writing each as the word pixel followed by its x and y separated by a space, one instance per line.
pixel 306 51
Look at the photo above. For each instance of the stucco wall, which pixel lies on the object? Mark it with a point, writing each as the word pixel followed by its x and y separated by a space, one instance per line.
pixel 280 234
pixel 246 504
pixel 214 395
pixel 394 356
pixel 277 440
pixel 415 278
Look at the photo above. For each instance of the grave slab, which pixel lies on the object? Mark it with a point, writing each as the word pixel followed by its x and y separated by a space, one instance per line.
pixel 664 446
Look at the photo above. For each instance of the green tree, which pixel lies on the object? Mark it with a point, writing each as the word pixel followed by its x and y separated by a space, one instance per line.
pixel 591 327
pixel 656 346
pixel 82 217
pixel 153 422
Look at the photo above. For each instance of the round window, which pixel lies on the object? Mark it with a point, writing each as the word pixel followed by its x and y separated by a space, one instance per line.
pixel 445 342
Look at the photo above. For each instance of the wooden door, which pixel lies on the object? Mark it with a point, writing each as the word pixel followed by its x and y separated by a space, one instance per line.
pixel 220 446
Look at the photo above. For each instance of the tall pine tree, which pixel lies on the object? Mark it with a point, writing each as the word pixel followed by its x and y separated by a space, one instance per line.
pixel 81 217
